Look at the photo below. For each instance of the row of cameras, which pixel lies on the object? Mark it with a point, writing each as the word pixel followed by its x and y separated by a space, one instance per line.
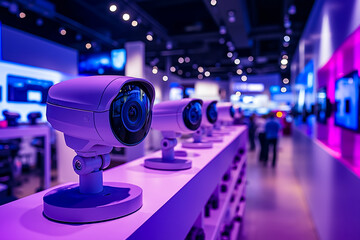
pixel 100 112
pixel 97 113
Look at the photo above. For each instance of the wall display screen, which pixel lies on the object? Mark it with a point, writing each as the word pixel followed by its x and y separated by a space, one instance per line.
pixel 347 102
pixel 322 110
pixel 27 90
pixel 103 63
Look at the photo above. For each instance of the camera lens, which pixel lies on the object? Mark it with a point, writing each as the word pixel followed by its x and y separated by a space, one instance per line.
pixel 211 113
pixel 133 114
pixel 130 113
pixel 232 111
pixel 192 115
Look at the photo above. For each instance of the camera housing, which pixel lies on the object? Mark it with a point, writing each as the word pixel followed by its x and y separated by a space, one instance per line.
pixel 226 112
pixel 95 114
pixel 209 118
pixel 173 118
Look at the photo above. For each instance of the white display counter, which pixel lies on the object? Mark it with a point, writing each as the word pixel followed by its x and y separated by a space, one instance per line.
pixel 172 200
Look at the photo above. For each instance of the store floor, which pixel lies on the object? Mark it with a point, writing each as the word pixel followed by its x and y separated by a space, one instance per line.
pixel 276 205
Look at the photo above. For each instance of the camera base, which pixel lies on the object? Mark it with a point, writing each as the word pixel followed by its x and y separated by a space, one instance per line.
pixel 66 204
pixel 160 164
pixel 203 144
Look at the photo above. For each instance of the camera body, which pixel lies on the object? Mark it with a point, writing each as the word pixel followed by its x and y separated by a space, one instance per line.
pixel 179 116
pixel 209 113
pixel 99 112
pixel 173 118
pixel 226 112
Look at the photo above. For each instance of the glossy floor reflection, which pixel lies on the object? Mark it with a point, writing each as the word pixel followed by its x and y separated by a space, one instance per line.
pixel 276 205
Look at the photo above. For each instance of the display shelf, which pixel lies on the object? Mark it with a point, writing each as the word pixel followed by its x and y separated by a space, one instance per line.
pixel 239 193
pixel 213 224
pixel 172 200
pixel 238 224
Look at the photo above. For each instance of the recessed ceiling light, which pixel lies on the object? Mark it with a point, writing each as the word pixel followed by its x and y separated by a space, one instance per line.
pixel 113 8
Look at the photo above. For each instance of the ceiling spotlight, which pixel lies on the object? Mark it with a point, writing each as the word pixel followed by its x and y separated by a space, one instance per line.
pixel 88 45
pixel 284 61
pixel 249 70
pixel 113 8
pixel 207 74
pixel 283 89
pixel 134 23
pixel 288 31
pixel 62 31
pixel 287 24
pixel 172 69
pixel 286 81
pixel 200 69
pixel 292 9
pixel 165 78
pixel 200 76
pixel 229 54
pixel 222 30
pixel 180 72
pixel 237 61
pixel 231 16
pixel 22 15
pixel 126 17
pixel 238 93
pixel 187 59
pixel 285 44
pixel 149 36
pixel 243 78
pixel 251 58
pixel 181 60
pixel 221 41
pixel 213 2
pixel 194 66
pixel 283 67
pixel 155 70
pixel 239 71
pixel 286 38
pixel 285 56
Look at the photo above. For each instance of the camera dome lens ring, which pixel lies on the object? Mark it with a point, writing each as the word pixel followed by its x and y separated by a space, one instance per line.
pixel 211 113
pixel 131 125
pixel 192 115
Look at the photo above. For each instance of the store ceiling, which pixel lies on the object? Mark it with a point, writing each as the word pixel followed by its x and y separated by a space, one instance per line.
pixel 181 28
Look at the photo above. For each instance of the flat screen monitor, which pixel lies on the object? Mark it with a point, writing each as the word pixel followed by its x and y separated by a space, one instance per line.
pixel 27 90
pixel 347 102
pixel 103 63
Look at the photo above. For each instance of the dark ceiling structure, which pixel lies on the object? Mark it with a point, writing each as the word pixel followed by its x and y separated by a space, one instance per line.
pixel 190 37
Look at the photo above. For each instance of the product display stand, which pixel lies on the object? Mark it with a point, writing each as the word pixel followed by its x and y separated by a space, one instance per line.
pixel 90 201
pixel 198 141
pixel 168 161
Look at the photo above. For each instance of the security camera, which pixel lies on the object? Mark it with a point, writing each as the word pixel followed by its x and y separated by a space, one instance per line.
pixel 173 118
pixel 226 114
pixel 33 116
pixel 11 118
pixel 209 118
pixel 95 114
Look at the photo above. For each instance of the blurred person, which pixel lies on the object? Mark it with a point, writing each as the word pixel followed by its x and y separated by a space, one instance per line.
pixel 272 129
pixel 261 122
pixel 252 131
